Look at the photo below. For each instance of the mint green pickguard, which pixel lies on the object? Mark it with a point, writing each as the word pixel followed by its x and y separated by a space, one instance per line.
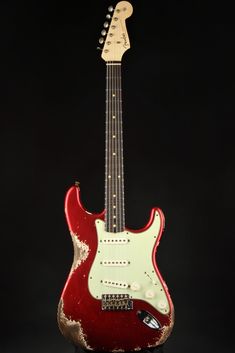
pixel 136 272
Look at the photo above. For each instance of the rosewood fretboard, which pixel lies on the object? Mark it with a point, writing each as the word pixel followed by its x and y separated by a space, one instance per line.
pixel 114 177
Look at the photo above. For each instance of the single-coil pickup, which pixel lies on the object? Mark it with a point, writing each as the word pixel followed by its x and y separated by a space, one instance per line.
pixel 117 263
pixel 113 241
pixel 115 284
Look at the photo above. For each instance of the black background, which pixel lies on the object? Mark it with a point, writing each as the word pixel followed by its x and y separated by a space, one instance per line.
pixel 178 93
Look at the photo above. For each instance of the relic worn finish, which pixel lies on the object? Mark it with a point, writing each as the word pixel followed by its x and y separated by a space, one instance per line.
pixel 80 316
pixel 115 299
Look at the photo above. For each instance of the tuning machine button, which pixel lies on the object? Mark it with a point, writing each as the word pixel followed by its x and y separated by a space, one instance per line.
pixel 110 8
pixel 108 16
pixel 103 32
pixel 106 24
pixel 101 40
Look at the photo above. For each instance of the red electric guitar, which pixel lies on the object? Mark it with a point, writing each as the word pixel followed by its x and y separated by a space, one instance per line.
pixel 115 298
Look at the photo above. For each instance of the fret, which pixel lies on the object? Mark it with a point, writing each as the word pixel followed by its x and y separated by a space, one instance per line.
pixel 114 174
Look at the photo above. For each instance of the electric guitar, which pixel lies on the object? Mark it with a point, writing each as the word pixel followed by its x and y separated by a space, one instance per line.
pixel 115 299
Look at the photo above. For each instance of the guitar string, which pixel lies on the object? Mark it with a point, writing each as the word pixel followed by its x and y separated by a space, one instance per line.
pixel 119 149
pixel 119 213
pixel 115 199
pixel 111 149
pixel 116 177
pixel 111 157
pixel 117 254
pixel 121 153
pixel 112 144
pixel 106 149
pixel 116 220
pixel 107 152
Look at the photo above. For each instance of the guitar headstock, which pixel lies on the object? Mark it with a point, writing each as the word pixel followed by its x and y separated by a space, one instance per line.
pixel 115 38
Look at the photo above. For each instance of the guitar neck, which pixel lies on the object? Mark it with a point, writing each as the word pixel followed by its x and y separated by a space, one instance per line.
pixel 114 173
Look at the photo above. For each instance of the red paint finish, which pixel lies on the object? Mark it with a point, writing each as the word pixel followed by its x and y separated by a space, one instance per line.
pixel 105 330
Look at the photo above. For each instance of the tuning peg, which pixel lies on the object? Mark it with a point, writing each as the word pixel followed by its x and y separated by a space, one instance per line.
pixel 106 24
pixel 108 16
pixel 99 48
pixel 110 8
pixel 101 40
pixel 103 32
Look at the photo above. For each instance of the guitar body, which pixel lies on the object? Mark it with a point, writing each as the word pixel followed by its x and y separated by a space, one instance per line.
pixel 113 302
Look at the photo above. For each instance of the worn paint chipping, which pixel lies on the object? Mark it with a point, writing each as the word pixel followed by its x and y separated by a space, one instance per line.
pixel 71 329
pixel 81 251
pixel 166 331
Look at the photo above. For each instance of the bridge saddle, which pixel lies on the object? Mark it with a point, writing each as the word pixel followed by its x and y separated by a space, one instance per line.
pixel 113 302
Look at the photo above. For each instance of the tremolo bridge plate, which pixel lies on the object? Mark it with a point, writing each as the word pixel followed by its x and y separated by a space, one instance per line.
pixel 114 302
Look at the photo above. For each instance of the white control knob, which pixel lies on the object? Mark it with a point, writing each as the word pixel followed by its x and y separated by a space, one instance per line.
pixel 149 294
pixel 135 286
pixel 161 304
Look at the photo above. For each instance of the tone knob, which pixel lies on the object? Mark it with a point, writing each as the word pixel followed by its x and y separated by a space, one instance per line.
pixel 149 294
pixel 161 304
pixel 135 286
